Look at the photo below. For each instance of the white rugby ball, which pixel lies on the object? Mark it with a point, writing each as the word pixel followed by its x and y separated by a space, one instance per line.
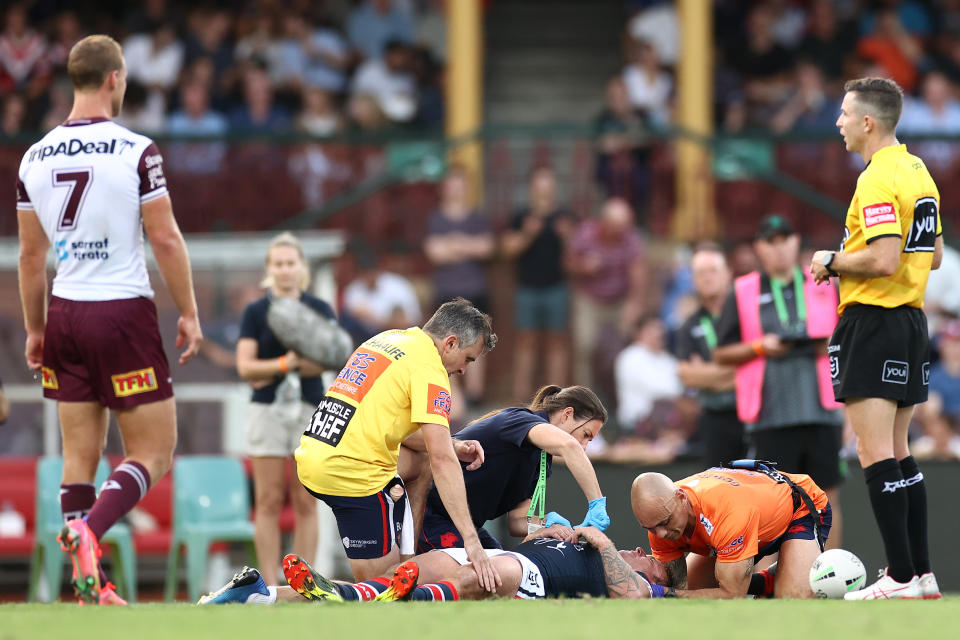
pixel 836 572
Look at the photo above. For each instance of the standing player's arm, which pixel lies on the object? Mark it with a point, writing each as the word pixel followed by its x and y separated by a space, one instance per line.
pixel 937 253
pixel 558 442
pixel 879 260
pixel 32 275
pixel 170 251
pixel 448 478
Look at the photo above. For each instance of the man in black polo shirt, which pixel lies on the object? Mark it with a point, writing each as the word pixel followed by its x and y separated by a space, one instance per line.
pixel 718 424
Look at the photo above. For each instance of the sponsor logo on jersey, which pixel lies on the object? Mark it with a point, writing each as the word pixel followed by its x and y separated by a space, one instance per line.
pixel 48 378
pixel 881 213
pixel 895 372
pixel 925 369
pixel 134 382
pixel 707 525
pixel 75 146
pixel 83 249
pixel 438 401
pixel 449 540
pixel 735 545
pixel 155 175
pixel 330 420
pixel 359 374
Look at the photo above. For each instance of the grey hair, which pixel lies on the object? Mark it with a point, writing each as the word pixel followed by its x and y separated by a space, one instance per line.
pixel 460 318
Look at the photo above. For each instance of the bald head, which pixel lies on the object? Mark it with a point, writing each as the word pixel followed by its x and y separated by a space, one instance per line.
pixel 659 505
pixel 617 216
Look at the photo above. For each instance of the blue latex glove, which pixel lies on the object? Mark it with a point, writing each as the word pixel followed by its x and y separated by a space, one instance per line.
pixel 597 514
pixel 555 518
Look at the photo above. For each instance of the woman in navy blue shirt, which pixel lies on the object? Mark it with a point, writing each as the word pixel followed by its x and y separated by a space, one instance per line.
pixel 559 421
pixel 274 426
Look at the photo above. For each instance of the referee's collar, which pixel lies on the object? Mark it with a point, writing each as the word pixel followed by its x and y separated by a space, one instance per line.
pixel 890 149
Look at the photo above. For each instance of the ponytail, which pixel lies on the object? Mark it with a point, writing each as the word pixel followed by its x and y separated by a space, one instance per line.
pixel 585 403
pixel 549 398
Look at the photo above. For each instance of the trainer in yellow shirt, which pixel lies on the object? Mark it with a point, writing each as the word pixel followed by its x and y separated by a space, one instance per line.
pixel 394 385
pixel 880 351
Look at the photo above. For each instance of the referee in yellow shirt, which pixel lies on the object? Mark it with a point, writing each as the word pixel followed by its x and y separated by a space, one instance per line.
pixel 880 350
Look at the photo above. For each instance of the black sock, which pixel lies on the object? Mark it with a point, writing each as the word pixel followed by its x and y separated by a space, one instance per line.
pixel 916 514
pixel 888 496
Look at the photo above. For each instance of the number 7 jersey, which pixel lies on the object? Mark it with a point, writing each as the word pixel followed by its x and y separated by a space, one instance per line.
pixel 86 180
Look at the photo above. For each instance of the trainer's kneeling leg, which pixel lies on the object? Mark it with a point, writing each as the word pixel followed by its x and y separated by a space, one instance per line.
pixel 793 569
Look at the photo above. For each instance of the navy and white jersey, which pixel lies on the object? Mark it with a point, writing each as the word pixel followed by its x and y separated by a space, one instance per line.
pixel 510 469
pixel 568 570
pixel 86 180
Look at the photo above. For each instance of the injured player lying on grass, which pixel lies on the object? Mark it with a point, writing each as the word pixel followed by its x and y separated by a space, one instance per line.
pixel 553 562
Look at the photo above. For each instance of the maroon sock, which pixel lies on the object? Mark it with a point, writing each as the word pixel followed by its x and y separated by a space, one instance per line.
pixel 75 502
pixel 125 487
pixel 76 499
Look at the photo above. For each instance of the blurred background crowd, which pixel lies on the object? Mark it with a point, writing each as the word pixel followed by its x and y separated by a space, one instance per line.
pixel 572 251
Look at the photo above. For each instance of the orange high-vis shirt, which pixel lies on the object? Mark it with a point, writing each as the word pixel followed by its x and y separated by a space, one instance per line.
pixel 737 513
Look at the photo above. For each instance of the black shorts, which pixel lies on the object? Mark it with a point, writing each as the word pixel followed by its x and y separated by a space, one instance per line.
pixel 881 353
pixel 439 532
pixel 723 439
pixel 811 449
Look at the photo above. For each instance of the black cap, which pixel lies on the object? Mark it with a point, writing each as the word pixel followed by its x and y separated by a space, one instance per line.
pixel 774 225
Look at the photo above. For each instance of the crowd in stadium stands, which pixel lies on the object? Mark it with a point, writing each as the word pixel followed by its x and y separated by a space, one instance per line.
pixel 594 302
pixel 781 64
pixel 210 68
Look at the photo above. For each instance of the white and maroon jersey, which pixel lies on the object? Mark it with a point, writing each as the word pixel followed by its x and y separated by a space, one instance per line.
pixel 86 180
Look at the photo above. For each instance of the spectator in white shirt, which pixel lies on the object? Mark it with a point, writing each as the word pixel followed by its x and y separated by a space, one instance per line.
pixel 390 81
pixel 154 59
pixel 648 85
pixel 378 299
pixel 645 372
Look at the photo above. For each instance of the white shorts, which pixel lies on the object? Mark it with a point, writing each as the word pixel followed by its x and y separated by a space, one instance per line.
pixel 531 584
pixel 271 435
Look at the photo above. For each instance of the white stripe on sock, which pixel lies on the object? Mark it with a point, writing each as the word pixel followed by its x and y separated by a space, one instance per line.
pixel 137 476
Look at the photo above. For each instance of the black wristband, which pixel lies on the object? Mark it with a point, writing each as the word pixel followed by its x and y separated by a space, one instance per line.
pixel 670 593
pixel 829 268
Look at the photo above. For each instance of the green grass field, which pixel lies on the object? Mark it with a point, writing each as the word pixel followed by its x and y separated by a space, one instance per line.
pixel 693 620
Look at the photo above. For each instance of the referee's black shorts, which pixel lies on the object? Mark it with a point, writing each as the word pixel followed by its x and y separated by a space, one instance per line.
pixel 881 353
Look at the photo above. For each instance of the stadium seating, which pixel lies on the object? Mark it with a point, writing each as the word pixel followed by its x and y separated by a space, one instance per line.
pixel 211 503
pixel 47 558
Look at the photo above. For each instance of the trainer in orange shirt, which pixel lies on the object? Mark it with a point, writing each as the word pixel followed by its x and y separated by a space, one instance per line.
pixel 727 519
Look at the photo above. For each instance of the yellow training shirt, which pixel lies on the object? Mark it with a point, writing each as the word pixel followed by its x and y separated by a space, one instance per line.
pixel 393 382
pixel 895 196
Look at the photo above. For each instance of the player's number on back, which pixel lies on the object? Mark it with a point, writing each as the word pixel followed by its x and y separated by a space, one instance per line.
pixel 77 180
